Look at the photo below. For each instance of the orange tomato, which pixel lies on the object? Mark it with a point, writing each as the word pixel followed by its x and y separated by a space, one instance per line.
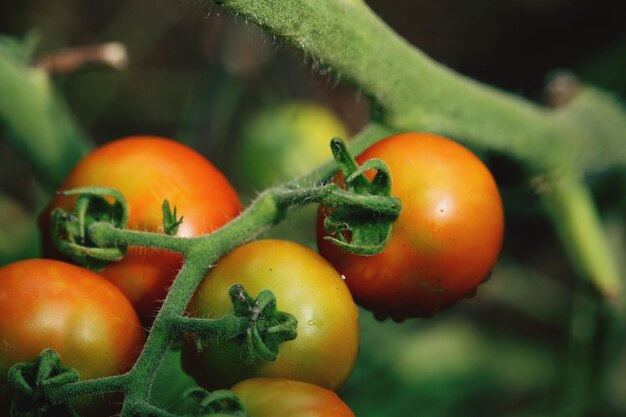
pixel 147 170
pixel 46 303
pixel 270 397
pixel 446 240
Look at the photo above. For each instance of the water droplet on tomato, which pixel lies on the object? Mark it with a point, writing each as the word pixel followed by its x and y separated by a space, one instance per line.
pixel 316 323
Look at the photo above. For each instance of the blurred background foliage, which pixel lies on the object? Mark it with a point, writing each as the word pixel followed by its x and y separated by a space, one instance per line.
pixel 533 342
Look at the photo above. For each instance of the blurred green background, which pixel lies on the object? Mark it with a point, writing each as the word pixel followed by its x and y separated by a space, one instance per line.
pixel 533 342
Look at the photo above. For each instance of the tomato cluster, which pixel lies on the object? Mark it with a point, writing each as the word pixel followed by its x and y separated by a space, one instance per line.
pixel 441 248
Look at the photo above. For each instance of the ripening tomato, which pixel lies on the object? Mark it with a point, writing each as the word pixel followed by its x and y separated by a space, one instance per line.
pixel 147 170
pixel 446 240
pixel 272 397
pixel 306 286
pixel 46 303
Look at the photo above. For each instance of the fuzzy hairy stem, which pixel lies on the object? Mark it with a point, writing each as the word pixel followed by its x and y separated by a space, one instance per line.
pixel 414 92
pixel 114 383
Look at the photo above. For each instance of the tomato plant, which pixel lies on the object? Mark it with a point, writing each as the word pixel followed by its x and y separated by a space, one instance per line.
pixel 147 170
pixel 307 287
pixel 446 240
pixel 269 397
pixel 46 303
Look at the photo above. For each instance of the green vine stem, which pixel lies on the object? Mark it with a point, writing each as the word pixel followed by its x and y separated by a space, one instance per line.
pixel 414 92
pixel 571 209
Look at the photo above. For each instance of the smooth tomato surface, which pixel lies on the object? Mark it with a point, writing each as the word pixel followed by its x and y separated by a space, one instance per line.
pixel 46 303
pixel 306 286
pixel 446 240
pixel 147 170
pixel 272 397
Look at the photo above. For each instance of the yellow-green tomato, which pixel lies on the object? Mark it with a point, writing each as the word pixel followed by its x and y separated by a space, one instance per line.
pixel 273 397
pixel 306 286
pixel 285 141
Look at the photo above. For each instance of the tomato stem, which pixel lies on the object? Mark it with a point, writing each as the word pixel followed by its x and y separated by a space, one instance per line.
pixel 105 235
pixel 572 210
pixel 63 393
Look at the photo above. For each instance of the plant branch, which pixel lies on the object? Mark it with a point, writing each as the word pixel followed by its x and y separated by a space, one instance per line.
pixel 106 235
pixel 578 225
pixel 416 93
pixel 62 393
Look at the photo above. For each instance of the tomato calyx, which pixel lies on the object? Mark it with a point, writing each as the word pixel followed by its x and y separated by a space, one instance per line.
pixel 32 381
pixel 257 324
pixel 170 219
pixel 214 403
pixel 70 228
pixel 267 326
pixel 361 213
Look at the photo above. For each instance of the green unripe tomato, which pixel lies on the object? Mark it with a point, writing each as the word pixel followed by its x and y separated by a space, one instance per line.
pixel 285 141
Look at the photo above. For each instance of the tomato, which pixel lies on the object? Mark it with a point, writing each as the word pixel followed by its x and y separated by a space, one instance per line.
pixel 284 141
pixel 307 287
pixel 147 170
pixel 270 397
pixel 446 240
pixel 46 303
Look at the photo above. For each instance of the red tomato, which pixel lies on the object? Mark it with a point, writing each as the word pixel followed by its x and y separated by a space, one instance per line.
pixel 148 170
pixel 272 397
pixel 306 286
pixel 446 240
pixel 51 304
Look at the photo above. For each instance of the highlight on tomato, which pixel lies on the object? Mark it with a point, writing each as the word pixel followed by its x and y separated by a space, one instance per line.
pixel 148 170
pixel 445 242
pixel 306 286
pixel 270 397
pixel 46 303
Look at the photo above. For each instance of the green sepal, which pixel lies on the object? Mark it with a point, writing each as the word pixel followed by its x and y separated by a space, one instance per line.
pixel 215 404
pixel 361 216
pixel 257 325
pixel 70 229
pixel 267 326
pixel 30 380
pixel 170 219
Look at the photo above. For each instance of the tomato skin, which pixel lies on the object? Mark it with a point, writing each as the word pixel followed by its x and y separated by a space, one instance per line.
pixel 46 303
pixel 446 240
pixel 306 286
pixel 269 397
pixel 147 170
